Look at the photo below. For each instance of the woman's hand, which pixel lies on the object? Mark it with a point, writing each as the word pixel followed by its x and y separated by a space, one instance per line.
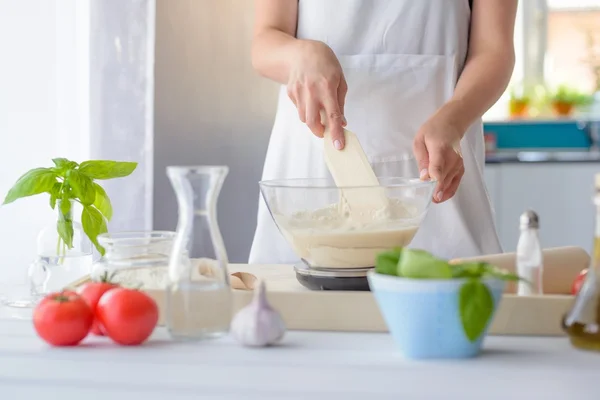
pixel 437 149
pixel 316 83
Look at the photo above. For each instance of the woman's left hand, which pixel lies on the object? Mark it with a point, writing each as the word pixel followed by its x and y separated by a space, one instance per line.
pixel 437 149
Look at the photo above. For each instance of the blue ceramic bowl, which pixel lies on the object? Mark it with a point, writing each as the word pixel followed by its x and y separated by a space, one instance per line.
pixel 423 317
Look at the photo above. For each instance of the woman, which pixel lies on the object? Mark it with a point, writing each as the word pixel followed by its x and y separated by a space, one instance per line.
pixel 411 78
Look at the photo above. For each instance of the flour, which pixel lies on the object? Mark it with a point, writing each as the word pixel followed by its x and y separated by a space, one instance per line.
pixel 340 237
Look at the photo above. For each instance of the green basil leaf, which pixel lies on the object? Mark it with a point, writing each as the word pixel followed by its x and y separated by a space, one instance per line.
pixel 36 181
pixel 65 208
pixel 102 202
pixel 64 225
pixel 387 263
pixel 420 264
pixel 93 225
pixel 498 273
pixel 62 164
pixel 83 187
pixel 65 231
pixel 103 169
pixel 476 306
pixel 468 270
pixel 55 194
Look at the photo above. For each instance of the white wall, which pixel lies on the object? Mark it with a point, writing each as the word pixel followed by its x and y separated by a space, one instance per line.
pixel 37 70
pixel 73 71
pixel 211 108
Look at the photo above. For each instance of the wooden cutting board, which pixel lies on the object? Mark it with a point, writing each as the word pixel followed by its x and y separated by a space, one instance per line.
pixel 303 309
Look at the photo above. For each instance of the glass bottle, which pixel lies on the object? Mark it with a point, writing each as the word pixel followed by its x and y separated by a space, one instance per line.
pixel 582 322
pixel 199 303
pixel 57 265
pixel 529 256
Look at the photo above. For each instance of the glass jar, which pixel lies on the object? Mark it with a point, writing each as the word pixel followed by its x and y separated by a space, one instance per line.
pixel 135 259
pixel 199 303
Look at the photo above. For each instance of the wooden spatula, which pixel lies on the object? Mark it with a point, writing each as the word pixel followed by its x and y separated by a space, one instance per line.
pixel 350 167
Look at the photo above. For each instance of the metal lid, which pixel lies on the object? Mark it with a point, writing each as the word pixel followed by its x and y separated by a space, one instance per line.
pixel 529 219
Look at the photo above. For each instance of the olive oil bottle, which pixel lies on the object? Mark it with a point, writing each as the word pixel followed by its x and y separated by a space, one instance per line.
pixel 582 322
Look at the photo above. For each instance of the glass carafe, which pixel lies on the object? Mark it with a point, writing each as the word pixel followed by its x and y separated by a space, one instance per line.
pixel 198 293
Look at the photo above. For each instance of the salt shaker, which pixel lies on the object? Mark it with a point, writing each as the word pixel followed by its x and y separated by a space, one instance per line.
pixel 529 256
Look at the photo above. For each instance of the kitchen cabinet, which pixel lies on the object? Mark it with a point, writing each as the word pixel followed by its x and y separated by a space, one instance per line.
pixel 560 193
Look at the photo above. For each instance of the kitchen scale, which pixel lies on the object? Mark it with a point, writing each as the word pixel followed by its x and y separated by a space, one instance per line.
pixel 332 278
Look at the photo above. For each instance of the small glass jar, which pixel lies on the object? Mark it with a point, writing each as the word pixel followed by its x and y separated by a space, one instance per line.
pixel 135 259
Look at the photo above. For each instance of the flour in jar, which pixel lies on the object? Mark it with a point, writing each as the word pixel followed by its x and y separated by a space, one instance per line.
pixel 338 237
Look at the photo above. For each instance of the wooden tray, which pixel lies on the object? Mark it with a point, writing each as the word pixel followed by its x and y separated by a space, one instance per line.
pixel 303 309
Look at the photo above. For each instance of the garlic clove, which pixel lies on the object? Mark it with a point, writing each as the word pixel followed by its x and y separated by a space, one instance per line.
pixel 258 324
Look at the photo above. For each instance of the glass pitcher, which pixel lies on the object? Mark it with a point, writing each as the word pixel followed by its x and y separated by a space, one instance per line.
pixel 199 303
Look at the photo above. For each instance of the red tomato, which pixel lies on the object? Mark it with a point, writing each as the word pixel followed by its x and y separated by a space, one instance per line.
pixel 63 318
pixel 578 282
pixel 91 293
pixel 127 316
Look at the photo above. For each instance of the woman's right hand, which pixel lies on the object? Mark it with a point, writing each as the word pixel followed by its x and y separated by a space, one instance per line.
pixel 317 84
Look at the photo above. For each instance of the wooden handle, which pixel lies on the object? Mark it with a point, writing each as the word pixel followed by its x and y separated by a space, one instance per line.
pixel 561 267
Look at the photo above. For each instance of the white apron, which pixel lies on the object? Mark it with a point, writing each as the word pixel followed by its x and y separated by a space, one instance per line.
pixel 401 59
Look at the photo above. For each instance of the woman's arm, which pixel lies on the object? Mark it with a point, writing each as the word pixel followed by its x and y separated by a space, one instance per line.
pixel 310 70
pixel 274 39
pixel 488 68
pixel 489 64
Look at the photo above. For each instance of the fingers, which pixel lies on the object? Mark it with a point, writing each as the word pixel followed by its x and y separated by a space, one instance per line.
pixel 447 188
pixel 437 169
pixel 334 119
pixel 306 100
pixel 313 117
pixel 328 96
pixel 296 95
pixel 341 97
pixel 452 181
pixel 450 191
pixel 422 156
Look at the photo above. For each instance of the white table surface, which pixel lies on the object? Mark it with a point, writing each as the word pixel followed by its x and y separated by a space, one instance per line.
pixel 308 365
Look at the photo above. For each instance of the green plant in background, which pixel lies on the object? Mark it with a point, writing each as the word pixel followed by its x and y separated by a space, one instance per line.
pixel 521 95
pixel 69 181
pixel 519 101
pixel 567 95
pixel 476 303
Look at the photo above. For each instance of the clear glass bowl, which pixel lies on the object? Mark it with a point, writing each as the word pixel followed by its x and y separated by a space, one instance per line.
pixel 346 227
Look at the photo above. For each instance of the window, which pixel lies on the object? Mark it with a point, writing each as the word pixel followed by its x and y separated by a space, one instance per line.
pixel 557 42
pixel 77 82
pixel 573 43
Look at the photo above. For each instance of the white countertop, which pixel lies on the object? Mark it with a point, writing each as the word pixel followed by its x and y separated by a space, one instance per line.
pixel 308 365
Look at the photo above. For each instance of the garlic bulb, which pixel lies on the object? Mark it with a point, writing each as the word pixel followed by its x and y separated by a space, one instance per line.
pixel 258 324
